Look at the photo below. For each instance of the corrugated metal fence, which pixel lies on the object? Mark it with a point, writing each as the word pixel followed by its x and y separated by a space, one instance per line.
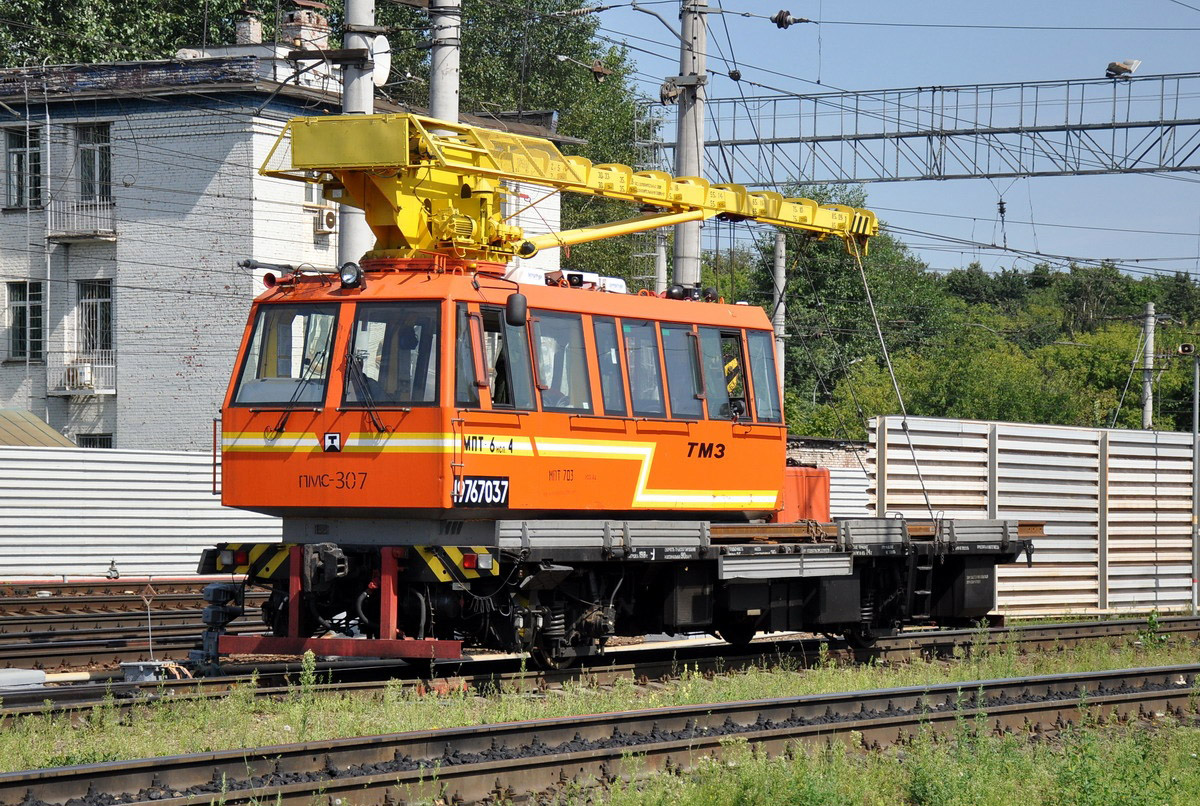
pixel 72 512
pixel 1116 504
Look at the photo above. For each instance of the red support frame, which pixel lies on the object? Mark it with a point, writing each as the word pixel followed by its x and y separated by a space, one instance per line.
pixel 294 582
pixel 388 645
pixel 388 599
pixel 345 647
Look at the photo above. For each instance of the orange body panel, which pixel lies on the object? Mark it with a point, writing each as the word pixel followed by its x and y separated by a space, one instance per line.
pixel 554 463
pixel 805 495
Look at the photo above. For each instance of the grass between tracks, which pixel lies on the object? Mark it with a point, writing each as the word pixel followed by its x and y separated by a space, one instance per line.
pixel 241 721
pixel 1091 765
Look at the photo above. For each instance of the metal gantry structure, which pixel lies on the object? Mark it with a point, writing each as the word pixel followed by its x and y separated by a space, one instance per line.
pixel 1141 124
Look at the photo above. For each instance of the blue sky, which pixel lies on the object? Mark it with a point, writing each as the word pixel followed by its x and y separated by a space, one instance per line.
pixel 1085 217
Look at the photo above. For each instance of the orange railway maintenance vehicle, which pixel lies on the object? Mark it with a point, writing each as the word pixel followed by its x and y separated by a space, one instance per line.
pixel 464 454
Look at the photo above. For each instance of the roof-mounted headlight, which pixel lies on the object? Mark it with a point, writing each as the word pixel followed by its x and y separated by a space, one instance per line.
pixel 351 275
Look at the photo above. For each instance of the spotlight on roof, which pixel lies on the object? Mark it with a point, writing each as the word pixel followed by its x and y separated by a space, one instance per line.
pixel 1122 69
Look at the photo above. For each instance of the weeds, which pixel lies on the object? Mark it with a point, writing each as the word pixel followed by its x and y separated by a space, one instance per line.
pixel 1149 636
pixel 241 720
pixel 969 767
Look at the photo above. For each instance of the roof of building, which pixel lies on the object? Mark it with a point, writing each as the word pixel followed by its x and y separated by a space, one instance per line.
pixel 20 428
pixel 206 74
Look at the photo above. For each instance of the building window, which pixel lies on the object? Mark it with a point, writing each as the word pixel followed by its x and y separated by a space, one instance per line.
pixel 94 440
pixel 95 316
pixel 312 191
pixel 23 166
pixel 95 163
pixel 25 321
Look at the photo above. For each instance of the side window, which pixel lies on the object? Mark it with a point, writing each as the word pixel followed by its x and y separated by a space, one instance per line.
pixel 645 375
pixel 393 355
pixel 766 382
pixel 715 389
pixel 734 367
pixel 506 351
pixel 612 384
pixel 466 393
pixel 683 382
pixel 561 362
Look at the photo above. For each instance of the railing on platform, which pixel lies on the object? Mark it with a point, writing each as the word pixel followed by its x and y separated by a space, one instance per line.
pixel 91 372
pixel 78 219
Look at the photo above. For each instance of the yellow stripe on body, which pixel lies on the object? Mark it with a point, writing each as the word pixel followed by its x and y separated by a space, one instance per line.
pixel 372 442
pixel 287 442
pixel 443 443
pixel 656 499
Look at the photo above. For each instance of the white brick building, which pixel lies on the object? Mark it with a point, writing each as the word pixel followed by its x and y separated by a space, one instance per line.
pixel 130 193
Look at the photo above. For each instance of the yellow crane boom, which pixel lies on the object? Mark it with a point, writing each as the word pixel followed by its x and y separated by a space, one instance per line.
pixel 430 186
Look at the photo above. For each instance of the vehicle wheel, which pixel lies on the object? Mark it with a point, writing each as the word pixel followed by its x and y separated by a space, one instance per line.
pixel 738 632
pixel 546 658
pixel 861 637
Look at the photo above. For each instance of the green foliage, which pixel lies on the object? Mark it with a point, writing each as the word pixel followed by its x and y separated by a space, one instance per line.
pixel 66 32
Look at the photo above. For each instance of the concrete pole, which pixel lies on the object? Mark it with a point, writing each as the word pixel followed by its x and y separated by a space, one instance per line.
pixel 445 17
pixel 777 300
pixel 660 262
pixel 358 98
pixel 1148 369
pixel 689 146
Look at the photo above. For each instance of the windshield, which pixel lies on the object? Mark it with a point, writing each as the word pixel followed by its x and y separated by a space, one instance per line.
pixel 393 357
pixel 288 360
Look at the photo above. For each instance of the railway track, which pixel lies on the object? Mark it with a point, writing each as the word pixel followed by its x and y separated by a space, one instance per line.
pixel 518 760
pixel 29 600
pixel 93 624
pixel 647 662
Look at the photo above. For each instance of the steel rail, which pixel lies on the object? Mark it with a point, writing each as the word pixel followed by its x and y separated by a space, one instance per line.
pixel 60 626
pixel 648 662
pixel 107 650
pixel 517 759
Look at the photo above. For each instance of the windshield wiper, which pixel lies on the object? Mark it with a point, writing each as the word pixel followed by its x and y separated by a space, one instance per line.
pixel 307 377
pixel 358 377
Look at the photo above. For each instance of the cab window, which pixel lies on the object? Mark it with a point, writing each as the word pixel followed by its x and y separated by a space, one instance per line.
pixel 393 354
pixel 645 374
pixel 506 350
pixel 716 387
pixel 612 383
pixel 733 364
pixel 562 372
pixel 466 391
pixel 683 382
pixel 289 355
pixel 762 371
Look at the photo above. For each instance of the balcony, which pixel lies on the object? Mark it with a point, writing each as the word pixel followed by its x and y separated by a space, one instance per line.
pixel 82 374
pixel 73 220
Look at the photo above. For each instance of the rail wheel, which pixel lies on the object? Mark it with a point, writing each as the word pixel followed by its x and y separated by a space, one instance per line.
pixel 865 637
pixel 738 631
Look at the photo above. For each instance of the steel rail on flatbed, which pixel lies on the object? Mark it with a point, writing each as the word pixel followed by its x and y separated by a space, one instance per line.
pixel 648 662
pixel 514 760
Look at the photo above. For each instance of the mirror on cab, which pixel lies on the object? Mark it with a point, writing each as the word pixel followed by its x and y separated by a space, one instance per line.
pixel 516 310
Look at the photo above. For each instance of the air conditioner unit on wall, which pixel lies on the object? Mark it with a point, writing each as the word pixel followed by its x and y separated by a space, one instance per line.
pixel 78 376
pixel 325 222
